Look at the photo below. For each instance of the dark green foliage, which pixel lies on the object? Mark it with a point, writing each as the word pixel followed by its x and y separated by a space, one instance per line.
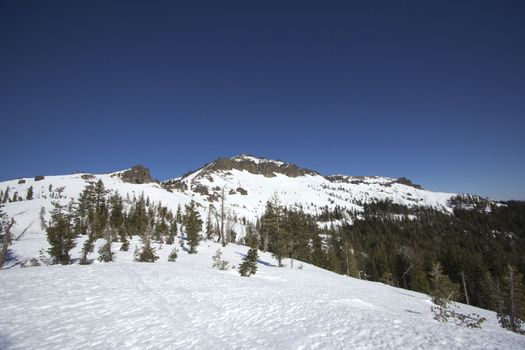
pixel 218 262
pixel 147 253
pixel 280 244
pixel 209 225
pixel 123 240
pixel 251 238
pixel 161 230
pixel 442 293
pixel 6 237
pixel 172 232
pixel 442 287
pixel 29 194
pixel 173 255
pixel 5 197
pixel 178 215
pixel 60 235
pixel 105 254
pixel 87 248
pixel 399 245
pixel 513 307
pixel 193 225
pixel 248 265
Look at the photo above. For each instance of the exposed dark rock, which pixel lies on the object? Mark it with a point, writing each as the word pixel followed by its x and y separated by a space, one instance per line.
pixel 264 167
pixel 407 182
pixel 87 177
pixel 175 185
pixel 39 177
pixel 21 181
pixel 139 174
pixel 242 191
pixel 201 189
pixel 355 180
pixel 232 191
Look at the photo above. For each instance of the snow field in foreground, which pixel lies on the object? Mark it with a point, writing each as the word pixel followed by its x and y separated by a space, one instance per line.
pixel 187 304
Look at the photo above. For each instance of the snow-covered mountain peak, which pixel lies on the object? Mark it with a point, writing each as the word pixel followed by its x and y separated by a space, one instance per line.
pixel 256 165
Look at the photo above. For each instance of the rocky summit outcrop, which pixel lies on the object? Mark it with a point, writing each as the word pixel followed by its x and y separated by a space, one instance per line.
pixel 259 166
pixel 139 174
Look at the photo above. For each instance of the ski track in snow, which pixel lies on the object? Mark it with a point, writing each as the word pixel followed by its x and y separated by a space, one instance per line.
pixel 189 305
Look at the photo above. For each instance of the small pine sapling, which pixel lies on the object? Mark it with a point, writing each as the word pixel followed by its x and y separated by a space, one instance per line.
pixel 173 255
pixel 105 254
pixel 248 266
pixel 218 263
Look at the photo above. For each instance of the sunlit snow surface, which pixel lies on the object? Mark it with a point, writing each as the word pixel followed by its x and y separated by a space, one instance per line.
pixel 189 305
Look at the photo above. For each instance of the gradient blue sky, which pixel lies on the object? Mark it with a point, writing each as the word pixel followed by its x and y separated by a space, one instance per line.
pixel 430 90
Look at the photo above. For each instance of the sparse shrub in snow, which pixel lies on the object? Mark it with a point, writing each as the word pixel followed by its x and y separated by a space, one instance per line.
pixel 30 263
pixel 29 194
pixel 442 291
pixel 387 279
pixel 43 225
pixel 249 263
pixel 218 263
pixel 88 247
pixel 44 257
pixel 125 243
pixel 105 253
pixel 513 324
pixel 443 312
pixel 173 255
pixel 146 254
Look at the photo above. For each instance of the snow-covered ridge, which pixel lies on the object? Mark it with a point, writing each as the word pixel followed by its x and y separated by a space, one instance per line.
pixel 245 192
pixel 249 182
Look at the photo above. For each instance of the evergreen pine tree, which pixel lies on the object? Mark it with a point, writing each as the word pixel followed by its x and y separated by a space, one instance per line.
pixel 41 215
pixel 173 255
pixel 172 232
pixel 60 235
pixel 178 215
pixel 514 306
pixel 209 225
pixel 5 234
pixel 147 253
pixel 248 265
pixel 442 287
pixel 124 246
pixel 105 254
pixel 87 248
pixel 193 224
pixel 218 262
pixel 29 194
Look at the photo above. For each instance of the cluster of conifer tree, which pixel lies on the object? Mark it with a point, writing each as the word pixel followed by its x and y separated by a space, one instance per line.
pixel 480 248
pixel 98 213
pixel 474 255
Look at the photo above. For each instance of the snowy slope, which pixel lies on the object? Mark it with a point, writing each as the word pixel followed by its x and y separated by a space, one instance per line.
pixel 29 237
pixel 311 191
pixel 247 188
pixel 189 305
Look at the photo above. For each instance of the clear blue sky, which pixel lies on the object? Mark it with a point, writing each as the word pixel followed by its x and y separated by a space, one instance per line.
pixel 430 90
